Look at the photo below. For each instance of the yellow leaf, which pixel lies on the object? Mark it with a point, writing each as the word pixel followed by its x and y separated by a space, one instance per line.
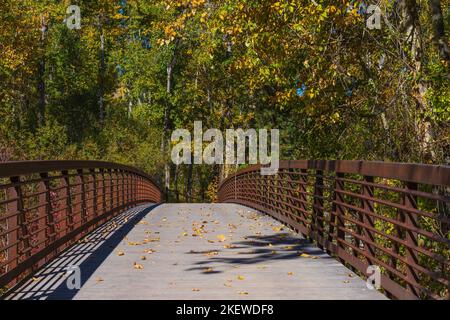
pixel 138 266
pixel 240 277
pixel 221 238
pixel 304 255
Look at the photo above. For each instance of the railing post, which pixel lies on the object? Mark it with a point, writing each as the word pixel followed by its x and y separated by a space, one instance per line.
pixel 14 207
pixel 367 205
pixel 303 180
pixel 93 191
pixel 66 193
pixel 23 232
pixel 133 188
pixel 48 234
pixel 339 212
pixel 102 187
pixel 318 207
pixel 410 219
pixel 80 181
pixel 111 189
pixel 122 180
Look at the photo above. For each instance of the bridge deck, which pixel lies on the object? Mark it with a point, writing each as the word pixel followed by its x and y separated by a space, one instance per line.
pixel 163 252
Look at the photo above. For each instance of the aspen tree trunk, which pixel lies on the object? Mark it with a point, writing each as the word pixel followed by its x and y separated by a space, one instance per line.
pixel 102 69
pixel 188 195
pixel 41 74
pixel 410 25
pixel 165 137
pixel 439 37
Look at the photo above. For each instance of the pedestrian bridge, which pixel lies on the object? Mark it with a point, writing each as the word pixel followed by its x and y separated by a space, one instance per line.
pixel 316 230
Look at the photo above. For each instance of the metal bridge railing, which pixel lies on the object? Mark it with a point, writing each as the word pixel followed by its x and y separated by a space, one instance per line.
pixel 392 215
pixel 45 206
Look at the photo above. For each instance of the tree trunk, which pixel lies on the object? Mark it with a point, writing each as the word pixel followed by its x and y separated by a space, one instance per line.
pixel 165 137
pixel 102 69
pixel 409 23
pixel 188 194
pixel 41 74
pixel 439 37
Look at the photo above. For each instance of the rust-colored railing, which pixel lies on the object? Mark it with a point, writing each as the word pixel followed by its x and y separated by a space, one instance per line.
pixel 45 206
pixel 391 215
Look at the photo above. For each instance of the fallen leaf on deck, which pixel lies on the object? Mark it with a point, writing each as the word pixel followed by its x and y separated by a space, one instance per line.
pixel 290 273
pixel 221 238
pixel 149 251
pixel 143 258
pixel 138 266
pixel 212 253
pixel 195 290
pixel 132 243
pixel 304 255
pixel 120 253
pixel 240 277
pixel 243 293
pixel 98 279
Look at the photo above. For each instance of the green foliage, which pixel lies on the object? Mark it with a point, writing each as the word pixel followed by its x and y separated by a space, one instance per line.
pixel 364 94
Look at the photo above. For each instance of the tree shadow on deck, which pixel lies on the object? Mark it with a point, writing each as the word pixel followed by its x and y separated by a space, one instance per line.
pixel 261 249
pixel 88 254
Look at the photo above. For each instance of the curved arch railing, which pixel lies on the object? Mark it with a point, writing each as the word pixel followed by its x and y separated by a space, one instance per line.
pixel 392 215
pixel 45 206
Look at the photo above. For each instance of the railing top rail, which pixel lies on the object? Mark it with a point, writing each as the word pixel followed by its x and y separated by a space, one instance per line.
pixel 438 175
pixel 17 168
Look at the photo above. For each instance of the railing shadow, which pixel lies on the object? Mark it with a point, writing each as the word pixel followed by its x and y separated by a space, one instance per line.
pixel 88 254
pixel 262 249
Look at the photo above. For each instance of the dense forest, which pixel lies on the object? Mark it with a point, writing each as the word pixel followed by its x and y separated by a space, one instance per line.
pixel 116 87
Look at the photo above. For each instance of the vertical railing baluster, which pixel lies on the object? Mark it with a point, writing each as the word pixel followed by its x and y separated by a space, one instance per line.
pixel 318 207
pixel 46 214
pixel 367 205
pixel 14 209
pixel 111 189
pixel 339 210
pixel 410 219
pixel 303 199
pixel 81 182
pixel 122 180
pixel 65 184
pixel 93 191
